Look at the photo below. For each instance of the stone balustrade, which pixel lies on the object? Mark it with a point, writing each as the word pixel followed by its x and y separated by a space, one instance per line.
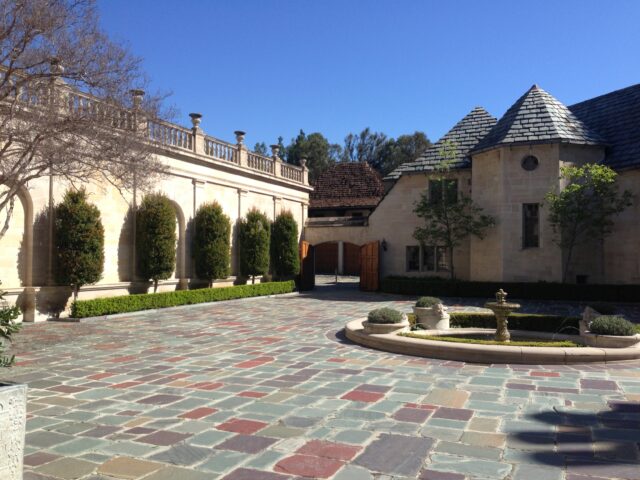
pixel 170 135
pixel 220 150
pixel 256 161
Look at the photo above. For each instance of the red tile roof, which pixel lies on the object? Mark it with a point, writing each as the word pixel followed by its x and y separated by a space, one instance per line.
pixel 348 184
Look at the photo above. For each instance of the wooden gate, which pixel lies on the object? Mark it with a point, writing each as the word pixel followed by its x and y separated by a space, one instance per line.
pixel 370 267
pixel 307 266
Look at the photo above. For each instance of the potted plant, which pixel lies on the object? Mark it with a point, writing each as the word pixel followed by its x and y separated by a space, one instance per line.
pixel 610 331
pixel 431 314
pixel 385 320
pixel 13 402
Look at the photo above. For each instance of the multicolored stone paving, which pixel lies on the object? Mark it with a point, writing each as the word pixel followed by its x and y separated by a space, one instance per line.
pixel 267 389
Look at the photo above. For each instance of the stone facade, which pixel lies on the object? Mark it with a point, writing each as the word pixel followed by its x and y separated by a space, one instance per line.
pixel 489 168
pixel 201 170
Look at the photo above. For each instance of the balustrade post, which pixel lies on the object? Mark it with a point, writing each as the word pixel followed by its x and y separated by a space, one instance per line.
pixel 139 122
pixel 277 161
pixel 243 153
pixel 305 171
pixel 198 145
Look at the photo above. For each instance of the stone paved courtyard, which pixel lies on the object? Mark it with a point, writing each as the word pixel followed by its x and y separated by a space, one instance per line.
pixel 268 389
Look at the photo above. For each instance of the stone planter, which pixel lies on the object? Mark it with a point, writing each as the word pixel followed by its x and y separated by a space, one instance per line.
pixel 383 328
pixel 13 417
pixel 610 341
pixel 432 318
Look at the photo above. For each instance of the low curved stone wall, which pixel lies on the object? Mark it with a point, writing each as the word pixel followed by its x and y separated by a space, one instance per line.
pixel 465 352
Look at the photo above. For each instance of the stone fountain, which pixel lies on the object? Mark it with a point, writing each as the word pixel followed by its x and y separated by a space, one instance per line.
pixel 501 308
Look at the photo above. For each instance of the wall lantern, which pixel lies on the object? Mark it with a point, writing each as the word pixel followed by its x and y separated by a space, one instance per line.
pixel 384 245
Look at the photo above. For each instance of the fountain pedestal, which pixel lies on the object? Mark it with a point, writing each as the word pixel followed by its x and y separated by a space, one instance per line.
pixel 501 309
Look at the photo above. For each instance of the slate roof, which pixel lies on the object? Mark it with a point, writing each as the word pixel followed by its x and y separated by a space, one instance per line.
pixel 537 117
pixel 347 184
pixel 465 134
pixel 616 116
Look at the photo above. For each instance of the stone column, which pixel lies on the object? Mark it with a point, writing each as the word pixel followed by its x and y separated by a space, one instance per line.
pixel 341 257
pixel 305 171
pixel 236 247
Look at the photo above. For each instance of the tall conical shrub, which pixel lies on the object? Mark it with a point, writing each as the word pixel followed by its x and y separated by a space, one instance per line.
pixel 156 238
pixel 211 242
pixel 254 234
pixel 79 242
pixel 285 259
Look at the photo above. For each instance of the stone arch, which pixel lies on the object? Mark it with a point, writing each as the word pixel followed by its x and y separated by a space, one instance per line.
pixel 181 249
pixel 26 300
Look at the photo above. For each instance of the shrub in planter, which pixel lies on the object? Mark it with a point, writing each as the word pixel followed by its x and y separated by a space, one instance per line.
pixel 612 325
pixel 427 302
pixel 431 314
pixel 385 316
pixel 8 327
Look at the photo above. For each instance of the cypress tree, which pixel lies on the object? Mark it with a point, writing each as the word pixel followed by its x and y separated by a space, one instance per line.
pixel 79 242
pixel 211 242
pixel 285 258
pixel 156 238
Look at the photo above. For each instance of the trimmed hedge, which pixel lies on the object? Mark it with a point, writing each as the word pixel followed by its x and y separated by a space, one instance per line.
pixel 612 325
pixel 517 321
pixel 148 301
pixel 438 287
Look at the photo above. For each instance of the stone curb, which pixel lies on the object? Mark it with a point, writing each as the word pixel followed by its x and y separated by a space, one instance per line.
pixel 486 354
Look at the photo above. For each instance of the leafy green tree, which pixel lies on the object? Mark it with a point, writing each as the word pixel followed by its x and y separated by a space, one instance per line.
pixel 406 148
pixel 583 210
pixel 261 148
pixel 254 234
pixel 8 327
pixel 211 242
pixel 156 238
pixel 320 154
pixel 285 259
pixel 79 242
pixel 364 147
pixel 283 150
pixel 449 218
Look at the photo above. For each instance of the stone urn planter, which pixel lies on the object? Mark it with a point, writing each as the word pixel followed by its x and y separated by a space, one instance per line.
pixel 383 328
pixel 13 416
pixel 431 314
pixel 385 320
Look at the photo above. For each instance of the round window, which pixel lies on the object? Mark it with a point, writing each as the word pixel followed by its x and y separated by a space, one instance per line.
pixel 529 163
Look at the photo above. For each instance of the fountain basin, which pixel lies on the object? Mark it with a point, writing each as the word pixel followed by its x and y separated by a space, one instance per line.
pixel 488 354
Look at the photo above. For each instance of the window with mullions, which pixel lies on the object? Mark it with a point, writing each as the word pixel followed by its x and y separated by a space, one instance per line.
pixel 530 225
pixel 413 258
pixel 443 190
pixel 435 259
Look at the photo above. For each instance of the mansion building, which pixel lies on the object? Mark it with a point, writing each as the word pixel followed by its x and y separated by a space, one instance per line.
pixel 507 166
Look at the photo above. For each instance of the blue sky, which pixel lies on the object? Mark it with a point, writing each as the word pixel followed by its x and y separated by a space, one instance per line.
pixel 338 66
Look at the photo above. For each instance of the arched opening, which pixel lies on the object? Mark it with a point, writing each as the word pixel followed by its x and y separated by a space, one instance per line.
pixel 181 248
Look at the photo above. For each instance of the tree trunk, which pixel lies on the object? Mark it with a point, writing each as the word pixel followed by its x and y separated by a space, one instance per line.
pixel 451 269
pixel 567 262
pixel 155 285
pixel 76 290
pixel 253 279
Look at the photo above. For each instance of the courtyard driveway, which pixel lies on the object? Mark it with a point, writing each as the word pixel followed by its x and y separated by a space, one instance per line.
pixel 266 389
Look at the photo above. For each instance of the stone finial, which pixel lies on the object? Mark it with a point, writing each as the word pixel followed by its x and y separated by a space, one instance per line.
pixel 137 96
pixel 501 296
pixel 275 150
pixel 239 136
pixel 196 118
pixel 303 162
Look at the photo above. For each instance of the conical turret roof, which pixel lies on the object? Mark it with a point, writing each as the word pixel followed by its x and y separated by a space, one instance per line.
pixel 538 117
pixel 465 135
